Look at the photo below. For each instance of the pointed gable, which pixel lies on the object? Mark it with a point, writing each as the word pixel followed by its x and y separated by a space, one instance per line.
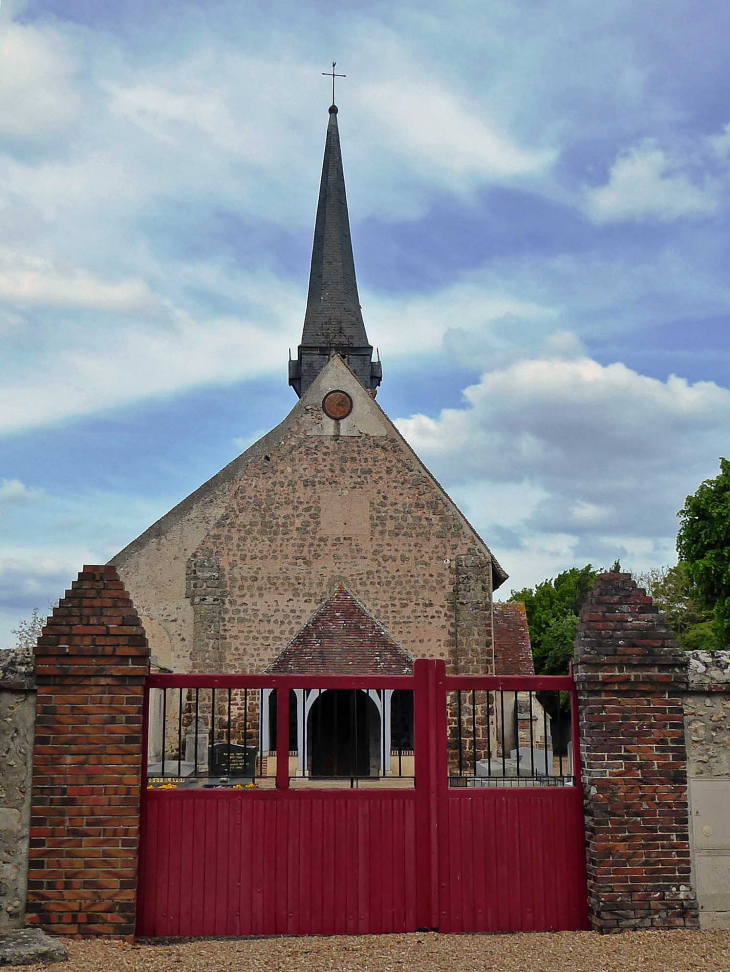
pixel 341 638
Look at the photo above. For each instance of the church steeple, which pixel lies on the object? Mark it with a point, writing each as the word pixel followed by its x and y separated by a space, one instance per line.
pixel 333 319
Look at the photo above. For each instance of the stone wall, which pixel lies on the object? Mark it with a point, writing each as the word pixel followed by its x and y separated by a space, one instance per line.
pixel 631 678
pixel 17 716
pixel 707 733
pixel 315 503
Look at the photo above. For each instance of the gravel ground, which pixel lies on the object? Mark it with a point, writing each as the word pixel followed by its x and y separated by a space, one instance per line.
pixel 562 952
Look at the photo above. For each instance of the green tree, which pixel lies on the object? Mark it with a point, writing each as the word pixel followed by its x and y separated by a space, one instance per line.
pixel 673 593
pixel 703 543
pixel 552 616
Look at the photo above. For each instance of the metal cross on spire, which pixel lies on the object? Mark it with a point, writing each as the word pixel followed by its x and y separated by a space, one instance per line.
pixel 331 74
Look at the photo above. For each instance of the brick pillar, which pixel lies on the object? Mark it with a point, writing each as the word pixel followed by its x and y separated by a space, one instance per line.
pixel 91 664
pixel 630 677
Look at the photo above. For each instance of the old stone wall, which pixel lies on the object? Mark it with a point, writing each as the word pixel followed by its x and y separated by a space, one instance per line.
pixel 707 734
pixel 339 502
pixel 17 717
pixel 631 678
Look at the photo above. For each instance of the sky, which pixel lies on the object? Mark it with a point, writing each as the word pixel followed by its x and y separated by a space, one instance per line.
pixel 538 195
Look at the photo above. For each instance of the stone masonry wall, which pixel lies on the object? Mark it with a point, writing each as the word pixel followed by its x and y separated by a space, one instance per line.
pixel 17 717
pixel 335 503
pixel 91 665
pixel 707 734
pixel 707 714
pixel 631 678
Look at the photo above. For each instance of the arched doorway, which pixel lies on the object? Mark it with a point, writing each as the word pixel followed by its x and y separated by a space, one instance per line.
pixel 343 734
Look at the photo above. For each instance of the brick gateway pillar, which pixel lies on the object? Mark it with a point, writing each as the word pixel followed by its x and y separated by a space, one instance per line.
pixel 91 664
pixel 630 676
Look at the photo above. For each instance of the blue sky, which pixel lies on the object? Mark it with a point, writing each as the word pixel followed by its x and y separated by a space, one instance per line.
pixel 538 193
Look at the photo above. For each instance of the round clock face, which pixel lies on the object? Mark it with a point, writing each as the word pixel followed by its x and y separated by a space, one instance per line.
pixel 337 404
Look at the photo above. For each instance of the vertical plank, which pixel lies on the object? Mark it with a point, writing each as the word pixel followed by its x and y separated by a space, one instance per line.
pixel 258 865
pixel 330 889
pixel 293 868
pixel 351 850
pixel 363 863
pixel 502 854
pixel 235 878
pixel 456 863
pixel 270 812
pixel 409 841
pixel 317 877
pixel 398 855
pixel 341 873
pixel 281 886
pixel 246 866
pixel 480 873
pixel 375 856
pixel 537 866
pixel 223 810
pixel 388 845
pixel 468 808
pixel 176 840
pixel 197 849
pixel 162 847
pixel 305 866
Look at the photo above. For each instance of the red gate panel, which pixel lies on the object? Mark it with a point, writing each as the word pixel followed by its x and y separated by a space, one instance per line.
pixel 277 863
pixel 512 860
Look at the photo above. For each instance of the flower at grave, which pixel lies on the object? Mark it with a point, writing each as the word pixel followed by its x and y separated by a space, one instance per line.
pixel 150 786
pixel 237 786
pixel 169 786
pixel 250 786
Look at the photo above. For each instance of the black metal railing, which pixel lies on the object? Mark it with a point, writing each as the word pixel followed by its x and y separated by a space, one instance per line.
pixel 507 738
pixel 227 737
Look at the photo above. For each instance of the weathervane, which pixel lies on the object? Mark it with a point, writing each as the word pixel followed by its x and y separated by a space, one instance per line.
pixel 328 74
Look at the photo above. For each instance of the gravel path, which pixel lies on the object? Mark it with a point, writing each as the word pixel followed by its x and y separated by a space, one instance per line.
pixel 562 952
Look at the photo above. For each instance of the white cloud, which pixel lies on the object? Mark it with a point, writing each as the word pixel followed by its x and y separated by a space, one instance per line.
pixel 79 375
pixel 607 456
pixel 13 491
pixel 646 184
pixel 720 144
pixel 38 93
pixel 27 280
pixel 432 128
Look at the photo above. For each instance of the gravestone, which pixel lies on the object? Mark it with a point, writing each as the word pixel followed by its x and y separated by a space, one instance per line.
pixel 202 745
pixel 232 760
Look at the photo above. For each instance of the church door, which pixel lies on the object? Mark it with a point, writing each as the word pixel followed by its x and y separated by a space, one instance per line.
pixel 343 734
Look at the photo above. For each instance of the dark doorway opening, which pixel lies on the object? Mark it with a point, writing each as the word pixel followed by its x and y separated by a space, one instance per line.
pixel 343 734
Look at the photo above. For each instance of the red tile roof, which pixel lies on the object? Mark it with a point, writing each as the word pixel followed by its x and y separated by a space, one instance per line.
pixel 512 651
pixel 341 638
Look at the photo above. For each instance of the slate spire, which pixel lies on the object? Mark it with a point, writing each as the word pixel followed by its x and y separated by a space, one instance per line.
pixel 333 319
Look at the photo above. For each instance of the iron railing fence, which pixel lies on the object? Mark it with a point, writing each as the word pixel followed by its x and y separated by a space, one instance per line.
pixel 223 731
pixel 510 731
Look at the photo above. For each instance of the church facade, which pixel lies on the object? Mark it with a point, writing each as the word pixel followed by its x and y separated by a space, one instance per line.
pixel 331 504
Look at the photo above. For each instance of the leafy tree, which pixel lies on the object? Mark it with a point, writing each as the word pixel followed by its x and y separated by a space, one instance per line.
pixel 28 631
pixel 552 616
pixel 703 543
pixel 674 595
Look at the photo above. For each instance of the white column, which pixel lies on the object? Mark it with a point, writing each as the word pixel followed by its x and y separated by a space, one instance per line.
pixel 301 755
pixel 264 720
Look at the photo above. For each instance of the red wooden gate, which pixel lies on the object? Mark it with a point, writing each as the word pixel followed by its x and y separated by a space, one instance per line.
pixel 431 849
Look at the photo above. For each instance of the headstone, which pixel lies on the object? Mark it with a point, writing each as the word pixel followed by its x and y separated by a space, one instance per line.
pixel 202 754
pixel 232 760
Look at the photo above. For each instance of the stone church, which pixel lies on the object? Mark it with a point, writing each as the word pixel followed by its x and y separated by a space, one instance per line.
pixel 327 546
